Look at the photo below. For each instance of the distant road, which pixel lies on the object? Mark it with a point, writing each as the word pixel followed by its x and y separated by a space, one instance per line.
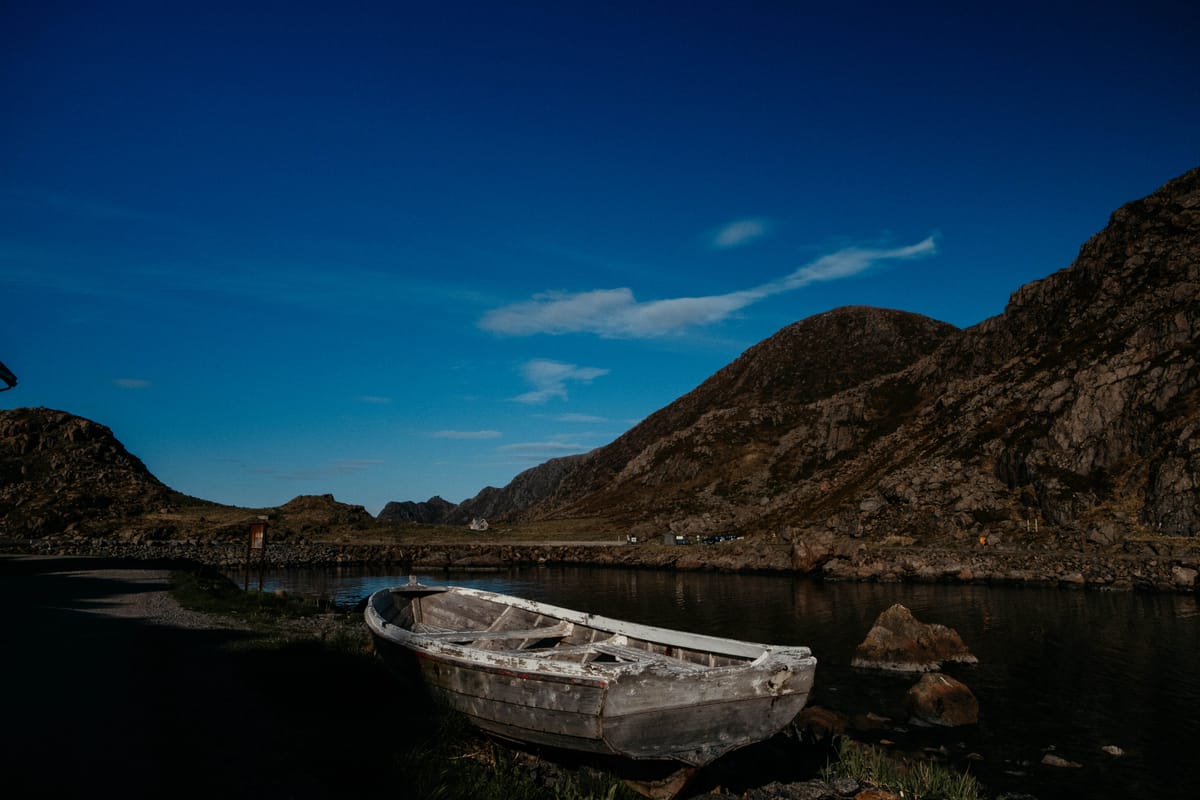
pixel 593 543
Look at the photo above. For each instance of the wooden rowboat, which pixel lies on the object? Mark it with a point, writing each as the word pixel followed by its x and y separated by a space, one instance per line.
pixel 544 675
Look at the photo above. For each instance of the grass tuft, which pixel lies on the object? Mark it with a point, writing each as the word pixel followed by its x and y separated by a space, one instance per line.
pixel 919 780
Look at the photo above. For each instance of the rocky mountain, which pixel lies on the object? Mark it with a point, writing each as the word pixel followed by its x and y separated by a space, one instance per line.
pixel 522 491
pixel 719 431
pixel 1076 408
pixel 59 472
pixel 430 512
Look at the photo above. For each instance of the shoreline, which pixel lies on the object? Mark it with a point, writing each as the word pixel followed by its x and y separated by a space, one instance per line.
pixel 1138 566
pixel 175 652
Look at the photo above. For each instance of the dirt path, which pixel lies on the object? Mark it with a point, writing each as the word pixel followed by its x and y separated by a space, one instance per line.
pixel 148 598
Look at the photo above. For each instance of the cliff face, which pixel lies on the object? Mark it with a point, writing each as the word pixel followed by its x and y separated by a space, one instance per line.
pixel 1081 399
pixel 1077 407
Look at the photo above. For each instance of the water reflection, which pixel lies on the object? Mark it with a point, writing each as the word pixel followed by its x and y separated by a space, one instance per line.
pixel 1068 670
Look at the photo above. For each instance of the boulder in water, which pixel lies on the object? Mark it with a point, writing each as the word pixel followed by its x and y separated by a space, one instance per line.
pixel 900 643
pixel 942 700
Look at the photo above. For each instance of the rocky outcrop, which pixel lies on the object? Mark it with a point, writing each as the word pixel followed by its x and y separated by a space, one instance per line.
pixel 309 515
pixel 59 472
pixel 942 700
pixel 433 511
pixel 1075 411
pixel 528 488
pixel 900 643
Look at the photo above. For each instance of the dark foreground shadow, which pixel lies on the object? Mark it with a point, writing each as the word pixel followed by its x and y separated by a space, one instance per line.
pixel 100 706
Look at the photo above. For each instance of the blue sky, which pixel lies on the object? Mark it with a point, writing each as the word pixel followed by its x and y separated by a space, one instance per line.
pixel 392 250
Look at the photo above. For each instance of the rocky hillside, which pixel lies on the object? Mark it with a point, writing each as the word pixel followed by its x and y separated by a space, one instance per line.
pixel 719 432
pixel 59 472
pixel 67 477
pixel 1077 408
pixel 430 512
pixel 528 488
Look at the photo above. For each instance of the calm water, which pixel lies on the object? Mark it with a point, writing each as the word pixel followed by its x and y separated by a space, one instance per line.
pixel 1060 671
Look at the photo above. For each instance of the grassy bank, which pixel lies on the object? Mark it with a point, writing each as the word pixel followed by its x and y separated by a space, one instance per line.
pixel 317 677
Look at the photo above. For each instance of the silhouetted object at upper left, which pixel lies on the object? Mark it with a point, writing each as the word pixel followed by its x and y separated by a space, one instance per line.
pixel 7 376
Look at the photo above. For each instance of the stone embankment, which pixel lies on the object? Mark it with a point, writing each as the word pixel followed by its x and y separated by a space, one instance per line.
pixel 1156 566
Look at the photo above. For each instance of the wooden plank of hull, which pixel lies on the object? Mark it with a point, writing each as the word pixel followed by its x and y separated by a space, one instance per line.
pixel 543 722
pixel 562 741
pixel 537 691
pixel 659 686
pixel 659 712
pixel 559 712
pixel 700 734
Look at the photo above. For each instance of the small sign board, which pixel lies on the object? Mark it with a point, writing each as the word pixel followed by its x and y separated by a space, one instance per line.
pixel 256 542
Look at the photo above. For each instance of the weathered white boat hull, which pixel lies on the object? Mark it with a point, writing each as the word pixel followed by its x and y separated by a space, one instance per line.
pixel 636 703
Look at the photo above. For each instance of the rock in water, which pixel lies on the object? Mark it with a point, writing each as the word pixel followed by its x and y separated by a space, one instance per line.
pixel 819 724
pixel 899 642
pixel 941 700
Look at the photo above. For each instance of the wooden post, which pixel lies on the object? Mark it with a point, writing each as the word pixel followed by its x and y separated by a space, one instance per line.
pixel 256 541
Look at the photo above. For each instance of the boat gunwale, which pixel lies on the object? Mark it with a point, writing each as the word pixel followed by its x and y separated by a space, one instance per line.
pixel 542 663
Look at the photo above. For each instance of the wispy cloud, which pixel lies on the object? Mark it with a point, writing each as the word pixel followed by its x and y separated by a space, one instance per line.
pixel 466 434
pixel 550 378
pixel 543 448
pixel 585 418
pixel 132 383
pixel 617 314
pixel 739 233
pixel 340 466
pixel 374 399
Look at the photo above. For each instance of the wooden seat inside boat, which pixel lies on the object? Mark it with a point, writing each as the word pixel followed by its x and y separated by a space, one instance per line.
pixel 557 631
pixel 634 654
pixel 602 651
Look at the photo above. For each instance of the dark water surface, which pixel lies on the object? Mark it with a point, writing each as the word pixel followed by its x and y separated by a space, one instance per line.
pixel 1059 671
